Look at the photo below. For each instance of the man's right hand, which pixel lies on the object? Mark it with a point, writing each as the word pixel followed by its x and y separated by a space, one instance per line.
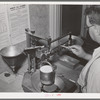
pixel 78 51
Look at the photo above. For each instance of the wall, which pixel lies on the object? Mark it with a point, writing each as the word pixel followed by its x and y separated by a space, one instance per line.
pixel 39 19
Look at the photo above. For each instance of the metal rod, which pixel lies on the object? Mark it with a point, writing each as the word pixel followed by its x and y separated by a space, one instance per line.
pixel 29 63
pixel 59 37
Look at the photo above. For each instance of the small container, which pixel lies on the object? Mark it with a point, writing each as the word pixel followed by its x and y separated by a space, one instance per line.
pixel 47 74
pixel 70 40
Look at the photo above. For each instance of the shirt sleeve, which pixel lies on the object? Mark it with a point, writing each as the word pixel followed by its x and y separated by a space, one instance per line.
pixel 93 80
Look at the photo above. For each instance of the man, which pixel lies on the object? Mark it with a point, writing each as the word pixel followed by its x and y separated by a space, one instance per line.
pixel 89 79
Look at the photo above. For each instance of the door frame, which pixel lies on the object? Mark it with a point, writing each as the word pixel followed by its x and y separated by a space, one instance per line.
pixel 55 21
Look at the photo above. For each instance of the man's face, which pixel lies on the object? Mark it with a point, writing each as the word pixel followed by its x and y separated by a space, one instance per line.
pixel 94 30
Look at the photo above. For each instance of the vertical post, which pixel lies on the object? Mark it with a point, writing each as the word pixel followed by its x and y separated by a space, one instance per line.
pixel 54 22
pixel 28 42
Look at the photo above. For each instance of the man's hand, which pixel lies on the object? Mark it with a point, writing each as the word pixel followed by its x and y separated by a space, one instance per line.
pixel 78 51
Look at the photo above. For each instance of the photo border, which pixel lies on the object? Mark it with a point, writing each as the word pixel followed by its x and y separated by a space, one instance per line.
pixel 17 96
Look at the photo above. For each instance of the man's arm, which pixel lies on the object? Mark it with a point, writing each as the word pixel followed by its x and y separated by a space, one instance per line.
pixel 87 56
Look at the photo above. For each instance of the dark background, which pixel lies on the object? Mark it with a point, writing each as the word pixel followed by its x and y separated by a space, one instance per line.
pixel 71 19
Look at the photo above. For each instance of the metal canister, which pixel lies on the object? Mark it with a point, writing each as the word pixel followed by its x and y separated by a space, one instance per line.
pixel 47 74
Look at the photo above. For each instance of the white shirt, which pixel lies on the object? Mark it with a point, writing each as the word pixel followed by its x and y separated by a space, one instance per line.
pixel 89 78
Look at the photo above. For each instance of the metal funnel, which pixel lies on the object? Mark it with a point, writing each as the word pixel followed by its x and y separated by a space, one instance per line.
pixel 11 55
